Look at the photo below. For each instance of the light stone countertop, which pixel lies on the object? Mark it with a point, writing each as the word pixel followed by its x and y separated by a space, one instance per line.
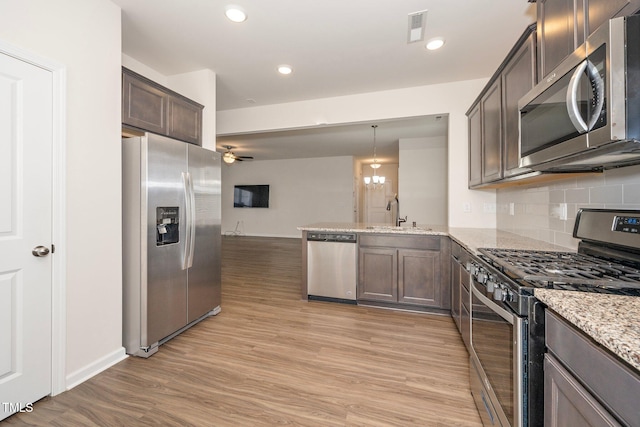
pixel 611 320
pixel 474 238
pixel 471 238
pixel 361 227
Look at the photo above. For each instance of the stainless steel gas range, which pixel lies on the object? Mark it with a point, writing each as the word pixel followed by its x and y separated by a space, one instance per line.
pixel 507 331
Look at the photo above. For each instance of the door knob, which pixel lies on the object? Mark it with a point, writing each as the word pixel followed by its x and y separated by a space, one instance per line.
pixel 40 251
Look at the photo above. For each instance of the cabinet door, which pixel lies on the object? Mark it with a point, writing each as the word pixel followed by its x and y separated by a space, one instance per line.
pixel 185 120
pixel 559 32
pixel 378 274
pixel 567 403
pixel 475 147
pixel 599 11
pixel 491 105
pixel 419 277
pixel 518 77
pixel 455 291
pixel 144 105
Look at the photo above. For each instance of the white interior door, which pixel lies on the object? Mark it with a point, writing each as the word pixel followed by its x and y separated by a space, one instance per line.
pixel 25 231
pixel 376 200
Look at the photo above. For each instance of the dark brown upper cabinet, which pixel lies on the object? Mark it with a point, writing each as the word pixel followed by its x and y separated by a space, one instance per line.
pixel 493 118
pixel 148 106
pixel 563 25
pixel 518 78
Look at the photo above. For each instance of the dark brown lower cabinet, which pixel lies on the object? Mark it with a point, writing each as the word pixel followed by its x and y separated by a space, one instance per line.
pixel 584 384
pixel 456 301
pixel 378 274
pixel 406 270
pixel 567 403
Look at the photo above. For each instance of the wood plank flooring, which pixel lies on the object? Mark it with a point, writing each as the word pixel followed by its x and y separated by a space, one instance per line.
pixel 270 359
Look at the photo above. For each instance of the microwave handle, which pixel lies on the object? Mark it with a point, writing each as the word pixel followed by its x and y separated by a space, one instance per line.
pixel 598 84
pixel 572 96
pixel 572 99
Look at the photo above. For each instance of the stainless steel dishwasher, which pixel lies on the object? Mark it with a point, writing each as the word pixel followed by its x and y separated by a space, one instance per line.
pixel 331 266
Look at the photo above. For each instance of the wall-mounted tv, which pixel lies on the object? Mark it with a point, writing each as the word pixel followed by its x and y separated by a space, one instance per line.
pixel 251 196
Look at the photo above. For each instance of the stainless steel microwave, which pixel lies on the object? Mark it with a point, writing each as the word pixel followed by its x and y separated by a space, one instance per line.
pixel 585 115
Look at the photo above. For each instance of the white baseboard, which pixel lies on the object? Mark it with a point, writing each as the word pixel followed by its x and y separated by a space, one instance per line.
pixel 104 363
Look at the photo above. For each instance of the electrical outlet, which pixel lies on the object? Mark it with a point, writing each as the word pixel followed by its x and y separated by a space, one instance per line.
pixel 563 211
pixel 512 208
pixel 466 207
pixel 559 211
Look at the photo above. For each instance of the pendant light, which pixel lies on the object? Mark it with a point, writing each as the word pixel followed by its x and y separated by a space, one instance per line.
pixel 375 165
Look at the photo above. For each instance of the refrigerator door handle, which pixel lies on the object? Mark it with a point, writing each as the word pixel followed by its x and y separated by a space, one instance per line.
pixel 191 220
pixel 186 185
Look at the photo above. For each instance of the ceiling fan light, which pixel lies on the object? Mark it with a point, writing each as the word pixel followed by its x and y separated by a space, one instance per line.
pixel 228 157
pixel 381 179
pixel 367 180
pixel 375 165
pixel 376 179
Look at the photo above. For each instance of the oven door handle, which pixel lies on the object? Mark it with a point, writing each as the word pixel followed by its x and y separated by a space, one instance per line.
pixel 505 314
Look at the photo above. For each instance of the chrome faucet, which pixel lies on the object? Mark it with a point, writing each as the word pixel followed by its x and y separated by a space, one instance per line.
pixel 398 219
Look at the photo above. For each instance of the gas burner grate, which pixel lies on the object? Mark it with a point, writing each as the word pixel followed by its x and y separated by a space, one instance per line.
pixel 565 268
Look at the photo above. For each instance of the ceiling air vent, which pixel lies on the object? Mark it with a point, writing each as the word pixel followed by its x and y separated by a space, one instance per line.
pixel 417 26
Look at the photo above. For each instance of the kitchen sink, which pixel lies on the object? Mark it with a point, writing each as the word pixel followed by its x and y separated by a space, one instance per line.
pixel 395 228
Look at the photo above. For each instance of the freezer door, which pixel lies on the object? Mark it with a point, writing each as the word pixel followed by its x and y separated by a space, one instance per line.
pixel 166 282
pixel 204 289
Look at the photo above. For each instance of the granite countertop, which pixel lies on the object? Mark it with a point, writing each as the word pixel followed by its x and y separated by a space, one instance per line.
pixel 362 227
pixel 471 238
pixel 611 320
pixel 474 238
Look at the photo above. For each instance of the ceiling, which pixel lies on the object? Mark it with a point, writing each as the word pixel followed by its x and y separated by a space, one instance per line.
pixel 336 47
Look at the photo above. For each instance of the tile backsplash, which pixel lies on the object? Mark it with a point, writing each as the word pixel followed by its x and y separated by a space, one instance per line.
pixel 547 211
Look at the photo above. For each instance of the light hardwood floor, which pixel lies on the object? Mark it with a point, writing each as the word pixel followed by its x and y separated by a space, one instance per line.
pixel 271 359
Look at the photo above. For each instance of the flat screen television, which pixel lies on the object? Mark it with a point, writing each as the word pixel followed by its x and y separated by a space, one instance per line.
pixel 251 196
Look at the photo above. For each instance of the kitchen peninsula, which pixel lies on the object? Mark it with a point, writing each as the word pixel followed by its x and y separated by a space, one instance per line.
pixel 619 335
pixel 394 267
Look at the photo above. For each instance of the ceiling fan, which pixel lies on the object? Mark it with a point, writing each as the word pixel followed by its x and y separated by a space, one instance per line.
pixel 229 157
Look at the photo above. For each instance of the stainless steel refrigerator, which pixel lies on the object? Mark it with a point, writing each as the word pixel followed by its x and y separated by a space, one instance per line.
pixel 171 239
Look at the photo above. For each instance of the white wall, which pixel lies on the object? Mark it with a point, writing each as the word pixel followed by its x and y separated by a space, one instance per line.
pixel 422 179
pixel 84 35
pixel 302 191
pixel 452 99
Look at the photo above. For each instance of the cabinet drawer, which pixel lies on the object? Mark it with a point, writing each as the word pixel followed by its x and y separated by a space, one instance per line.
pixel 615 384
pixel 400 242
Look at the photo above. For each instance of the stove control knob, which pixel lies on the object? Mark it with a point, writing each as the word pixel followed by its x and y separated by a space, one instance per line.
pixel 491 284
pixel 499 294
pixel 475 269
pixel 482 277
pixel 510 296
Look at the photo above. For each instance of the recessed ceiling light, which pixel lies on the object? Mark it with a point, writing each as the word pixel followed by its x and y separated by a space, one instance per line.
pixel 235 13
pixel 435 43
pixel 285 69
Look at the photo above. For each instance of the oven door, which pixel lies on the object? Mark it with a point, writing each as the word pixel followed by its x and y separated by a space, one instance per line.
pixel 498 340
